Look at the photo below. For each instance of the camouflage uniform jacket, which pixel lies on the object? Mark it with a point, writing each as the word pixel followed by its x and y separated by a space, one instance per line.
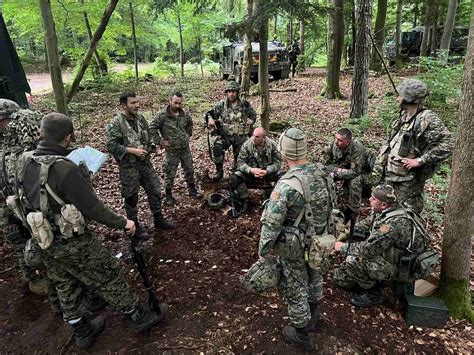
pixel 352 159
pixel 391 232
pixel 432 143
pixel 268 157
pixel 235 118
pixel 123 132
pixel 174 129
pixel 285 203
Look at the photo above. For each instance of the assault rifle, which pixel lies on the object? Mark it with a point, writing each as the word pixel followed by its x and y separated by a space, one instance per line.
pixel 142 269
pixel 232 199
pixel 219 130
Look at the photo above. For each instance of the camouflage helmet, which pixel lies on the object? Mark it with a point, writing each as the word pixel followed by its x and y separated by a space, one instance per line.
pixel 262 276
pixel 216 201
pixel 414 91
pixel 7 107
pixel 232 86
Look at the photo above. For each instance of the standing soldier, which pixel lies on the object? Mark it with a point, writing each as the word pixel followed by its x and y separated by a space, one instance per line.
pixel 418 144
pixel 232 120
pixel 57 198
pixel 344 157
pixel 302 200
pixel 293 53
pixel 129 142
pixel 171 129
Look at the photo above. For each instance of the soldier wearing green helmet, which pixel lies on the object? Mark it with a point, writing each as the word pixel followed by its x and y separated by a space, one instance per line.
pixel 232 120
pixel 418 143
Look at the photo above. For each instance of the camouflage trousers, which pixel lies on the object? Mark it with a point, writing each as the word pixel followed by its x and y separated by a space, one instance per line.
pixel 299 286
pixel 410 193
pixel 353 188
pixel 172 159
pixel 79 263
pixel 239 181
pixel 134 174
pixel 220 147
pixel 363 273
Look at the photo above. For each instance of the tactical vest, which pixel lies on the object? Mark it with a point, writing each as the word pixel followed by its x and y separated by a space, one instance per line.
pixel 132 138
pixel 263 157
pixel 403 145
pixel 234 119
pixel 44 223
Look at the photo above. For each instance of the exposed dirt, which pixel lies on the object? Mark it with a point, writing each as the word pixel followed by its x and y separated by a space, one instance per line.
pixel 196 268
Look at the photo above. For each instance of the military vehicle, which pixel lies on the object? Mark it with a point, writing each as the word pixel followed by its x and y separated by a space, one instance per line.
pixel 13 83
pixel 411 42
pixel 232 58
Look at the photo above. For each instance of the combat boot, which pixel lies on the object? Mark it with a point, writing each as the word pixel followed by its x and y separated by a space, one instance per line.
pixel 299 337
pixel 86 331
pixel 219 172
pixel 314 309
pixel 161 222
pixel 140 233
pixel 193 192
pixel 169 199
pixel 141 319
pixel 372 297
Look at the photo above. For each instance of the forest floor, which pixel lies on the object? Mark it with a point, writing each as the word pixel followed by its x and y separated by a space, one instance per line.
pixel 196 268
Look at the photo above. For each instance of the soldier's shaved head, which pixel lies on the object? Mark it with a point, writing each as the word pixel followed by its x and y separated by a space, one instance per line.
pixel 258 136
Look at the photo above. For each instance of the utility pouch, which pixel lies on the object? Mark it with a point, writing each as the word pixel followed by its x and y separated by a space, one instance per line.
pixel 41 229
pixel 405 144
pixel 71 222
pixel 405 269
pixel 425 263
pixel 319 249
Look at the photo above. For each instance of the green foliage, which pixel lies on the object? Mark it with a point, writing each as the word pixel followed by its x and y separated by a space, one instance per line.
pixel 359 125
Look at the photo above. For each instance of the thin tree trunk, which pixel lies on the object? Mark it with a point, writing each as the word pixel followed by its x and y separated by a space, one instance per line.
pixel 416 14
pixel 275 25
pixel 360 80
pixel 181 43
pixel 291 30
pixel 134 39
pixel 95 40
pixel 263 69
pixel 231 8
pixel 379 34
pixel 335 44
pixel 398 34
pixel 429 15
pixel 449 26
pixel 354 33
pixel 247 62
pixel 101 65
pixel 434 33
pixel 302 35
pixel 200 55
pixel 51 42
pixel 459 212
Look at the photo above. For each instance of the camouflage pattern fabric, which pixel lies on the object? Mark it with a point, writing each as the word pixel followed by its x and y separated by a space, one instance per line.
pixel 176 130
pixel 83 262
pixel 377 257
pixel 432 143
pixel 299 285
pixel 352 160
pixel 23 130
pixel 220 147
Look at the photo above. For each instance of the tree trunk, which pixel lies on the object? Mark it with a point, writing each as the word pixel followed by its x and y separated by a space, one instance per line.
pixel 302 35
pixel 335 44
pixel 360 80
pixel 379 34
pixel 51 42
pixel 134 39
pixel 263 68
pixel 247 62
pixel 429 17
pixel 291 30
pixel 95 40
pixel 398 34
pixel 354 33
pixel 459 226
pixel 200 55
pixel 181 43
pixel 416 14
pixel 231 8
pixel 101 64
pixel 434 34
pixel 449 26
pixel 275 26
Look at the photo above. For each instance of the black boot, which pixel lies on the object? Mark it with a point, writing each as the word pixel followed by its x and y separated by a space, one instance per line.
pixel 299 337
pixel 139 231
pixel 219 172
pixel 370 298
pixel 314 309
pixel 86 331
pixel 193 192
pixel 162 222
pixel 141 319
pixel 169 199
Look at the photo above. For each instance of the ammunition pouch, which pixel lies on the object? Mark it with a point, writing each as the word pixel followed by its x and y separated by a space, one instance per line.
pixel 41 229
pixel 319 248
pixel 289 245
pixel 71 222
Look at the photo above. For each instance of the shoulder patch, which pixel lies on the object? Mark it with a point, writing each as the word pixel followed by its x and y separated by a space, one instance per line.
pixel 384 228
pixel 275 195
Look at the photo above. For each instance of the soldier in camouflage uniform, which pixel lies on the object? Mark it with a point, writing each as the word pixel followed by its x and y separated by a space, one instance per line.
pixel 418 144
pixel 392 233
pixel 235 119
pixel 344 158
pixel 78 260
pixel 300 286
pixel 129 142
pixel 171 129
pixel 259 161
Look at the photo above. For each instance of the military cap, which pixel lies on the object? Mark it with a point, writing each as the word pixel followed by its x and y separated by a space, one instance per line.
pixel 292 144
pixel 7 107
pixel 232 86
pixel 385 193
pixel 414 91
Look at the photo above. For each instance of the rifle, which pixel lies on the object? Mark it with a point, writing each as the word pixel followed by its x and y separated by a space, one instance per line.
pixel 219 130
pixel 233 209
pixel 141 265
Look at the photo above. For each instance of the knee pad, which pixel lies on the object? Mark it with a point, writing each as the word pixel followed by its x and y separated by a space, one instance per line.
pixel 132 201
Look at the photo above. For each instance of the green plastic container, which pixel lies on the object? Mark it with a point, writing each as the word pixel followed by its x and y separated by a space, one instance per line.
pixel 425 311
